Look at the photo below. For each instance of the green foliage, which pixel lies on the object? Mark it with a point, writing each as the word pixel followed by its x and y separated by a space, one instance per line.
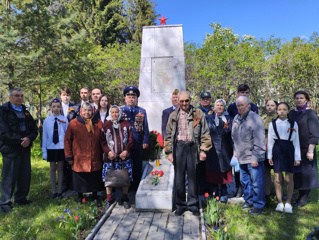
pixel 39 219
pixel 139 13
pixel 77 220
pixel 212 214
pixel 155 180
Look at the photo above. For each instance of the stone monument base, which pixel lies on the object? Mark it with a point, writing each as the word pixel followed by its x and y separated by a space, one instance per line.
pixel 156 198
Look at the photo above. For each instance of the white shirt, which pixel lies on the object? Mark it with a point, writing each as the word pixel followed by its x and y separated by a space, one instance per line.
pixel 48 126
pixel 102 116
pixel 282 128
pixel 65 108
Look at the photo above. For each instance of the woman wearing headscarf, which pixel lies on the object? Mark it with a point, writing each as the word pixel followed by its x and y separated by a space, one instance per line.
pixel 307 121
pixel 218 169
pixel 116 142
pixel 83 151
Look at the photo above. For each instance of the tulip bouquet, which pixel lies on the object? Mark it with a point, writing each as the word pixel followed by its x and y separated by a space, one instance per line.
pixel 155 146
pixel 157 174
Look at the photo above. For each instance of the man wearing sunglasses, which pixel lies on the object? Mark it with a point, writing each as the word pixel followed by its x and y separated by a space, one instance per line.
pixel 17 132
pixel 187 140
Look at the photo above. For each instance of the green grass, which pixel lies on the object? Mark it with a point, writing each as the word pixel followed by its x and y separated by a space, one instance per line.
pixel 270 224
pixel 39 220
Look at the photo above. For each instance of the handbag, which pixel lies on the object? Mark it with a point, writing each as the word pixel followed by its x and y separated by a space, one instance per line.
pixel 117 177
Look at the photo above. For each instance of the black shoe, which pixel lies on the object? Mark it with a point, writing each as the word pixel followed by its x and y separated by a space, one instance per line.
pixel 126 203
pixel 246 206
pixel 97 202
pixel 59 196
pixel 255 211
pixel 196 212
pixel 179 212
pixel 6 208
pixel 54 195
pixel 23 202
pixel 300 204
pixel 239 192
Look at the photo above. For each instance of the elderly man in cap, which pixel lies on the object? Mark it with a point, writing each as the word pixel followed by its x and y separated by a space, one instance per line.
pixel 207 108
pixel 187 140
pixel 205 103
pixel 166 112
pixel 138 121
pixel 248 135
pixel 17 132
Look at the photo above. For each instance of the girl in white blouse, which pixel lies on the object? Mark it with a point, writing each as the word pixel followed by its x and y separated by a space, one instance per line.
pixel 284 154
pixel 54 128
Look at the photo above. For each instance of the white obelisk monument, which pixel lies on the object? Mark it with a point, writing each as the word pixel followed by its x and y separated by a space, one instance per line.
pixel 162 70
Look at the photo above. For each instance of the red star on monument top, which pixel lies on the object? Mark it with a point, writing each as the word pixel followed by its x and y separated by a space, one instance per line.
pixel 163 20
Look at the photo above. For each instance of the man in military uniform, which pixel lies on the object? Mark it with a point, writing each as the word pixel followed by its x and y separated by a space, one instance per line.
pixel 138 120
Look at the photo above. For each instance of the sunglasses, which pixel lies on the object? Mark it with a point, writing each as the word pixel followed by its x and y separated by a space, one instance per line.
pixel 182 101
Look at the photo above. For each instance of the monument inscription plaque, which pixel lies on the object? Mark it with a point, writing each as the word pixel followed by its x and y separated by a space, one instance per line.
pixel 162 74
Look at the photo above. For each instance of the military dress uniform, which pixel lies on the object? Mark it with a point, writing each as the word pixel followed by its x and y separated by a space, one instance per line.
pixel 138 121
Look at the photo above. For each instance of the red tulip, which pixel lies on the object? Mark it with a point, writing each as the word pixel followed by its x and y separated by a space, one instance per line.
pixel 217 198
pixel 206 195
pixel 77 217
pixel 83 200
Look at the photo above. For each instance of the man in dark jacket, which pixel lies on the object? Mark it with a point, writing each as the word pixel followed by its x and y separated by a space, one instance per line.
pixel 166 112
pixel 17 132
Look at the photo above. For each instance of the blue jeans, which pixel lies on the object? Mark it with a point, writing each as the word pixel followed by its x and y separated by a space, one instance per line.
pixel 253 182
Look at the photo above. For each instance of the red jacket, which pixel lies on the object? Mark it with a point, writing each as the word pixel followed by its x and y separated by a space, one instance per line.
pixel 82 147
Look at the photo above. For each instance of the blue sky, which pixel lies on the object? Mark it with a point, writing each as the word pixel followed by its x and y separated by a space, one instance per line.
pixel 282 18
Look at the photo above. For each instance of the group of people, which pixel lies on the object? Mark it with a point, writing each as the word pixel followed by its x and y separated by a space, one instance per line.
pixel 82 142
pixel 210 144
pixel 206 144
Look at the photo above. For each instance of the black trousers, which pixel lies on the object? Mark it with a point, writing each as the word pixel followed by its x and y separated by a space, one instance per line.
pixel 16 172
pixel 136 155
pixel 67 176
pixel 185 162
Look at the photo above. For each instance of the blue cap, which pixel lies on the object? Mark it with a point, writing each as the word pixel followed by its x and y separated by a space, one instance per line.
pixel 131 90
pixel 56 100
pixel 205 94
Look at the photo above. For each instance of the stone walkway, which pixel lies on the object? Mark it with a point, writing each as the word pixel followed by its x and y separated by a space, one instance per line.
pixel 127 224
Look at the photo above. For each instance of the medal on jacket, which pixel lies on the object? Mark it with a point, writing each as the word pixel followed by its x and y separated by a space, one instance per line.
pixel 139 119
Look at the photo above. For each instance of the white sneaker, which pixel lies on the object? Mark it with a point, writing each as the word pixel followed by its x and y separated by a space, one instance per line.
pixel 288 208
pixel 280 207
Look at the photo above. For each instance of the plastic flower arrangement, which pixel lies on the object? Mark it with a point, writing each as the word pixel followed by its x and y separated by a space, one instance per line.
pixel 155 146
